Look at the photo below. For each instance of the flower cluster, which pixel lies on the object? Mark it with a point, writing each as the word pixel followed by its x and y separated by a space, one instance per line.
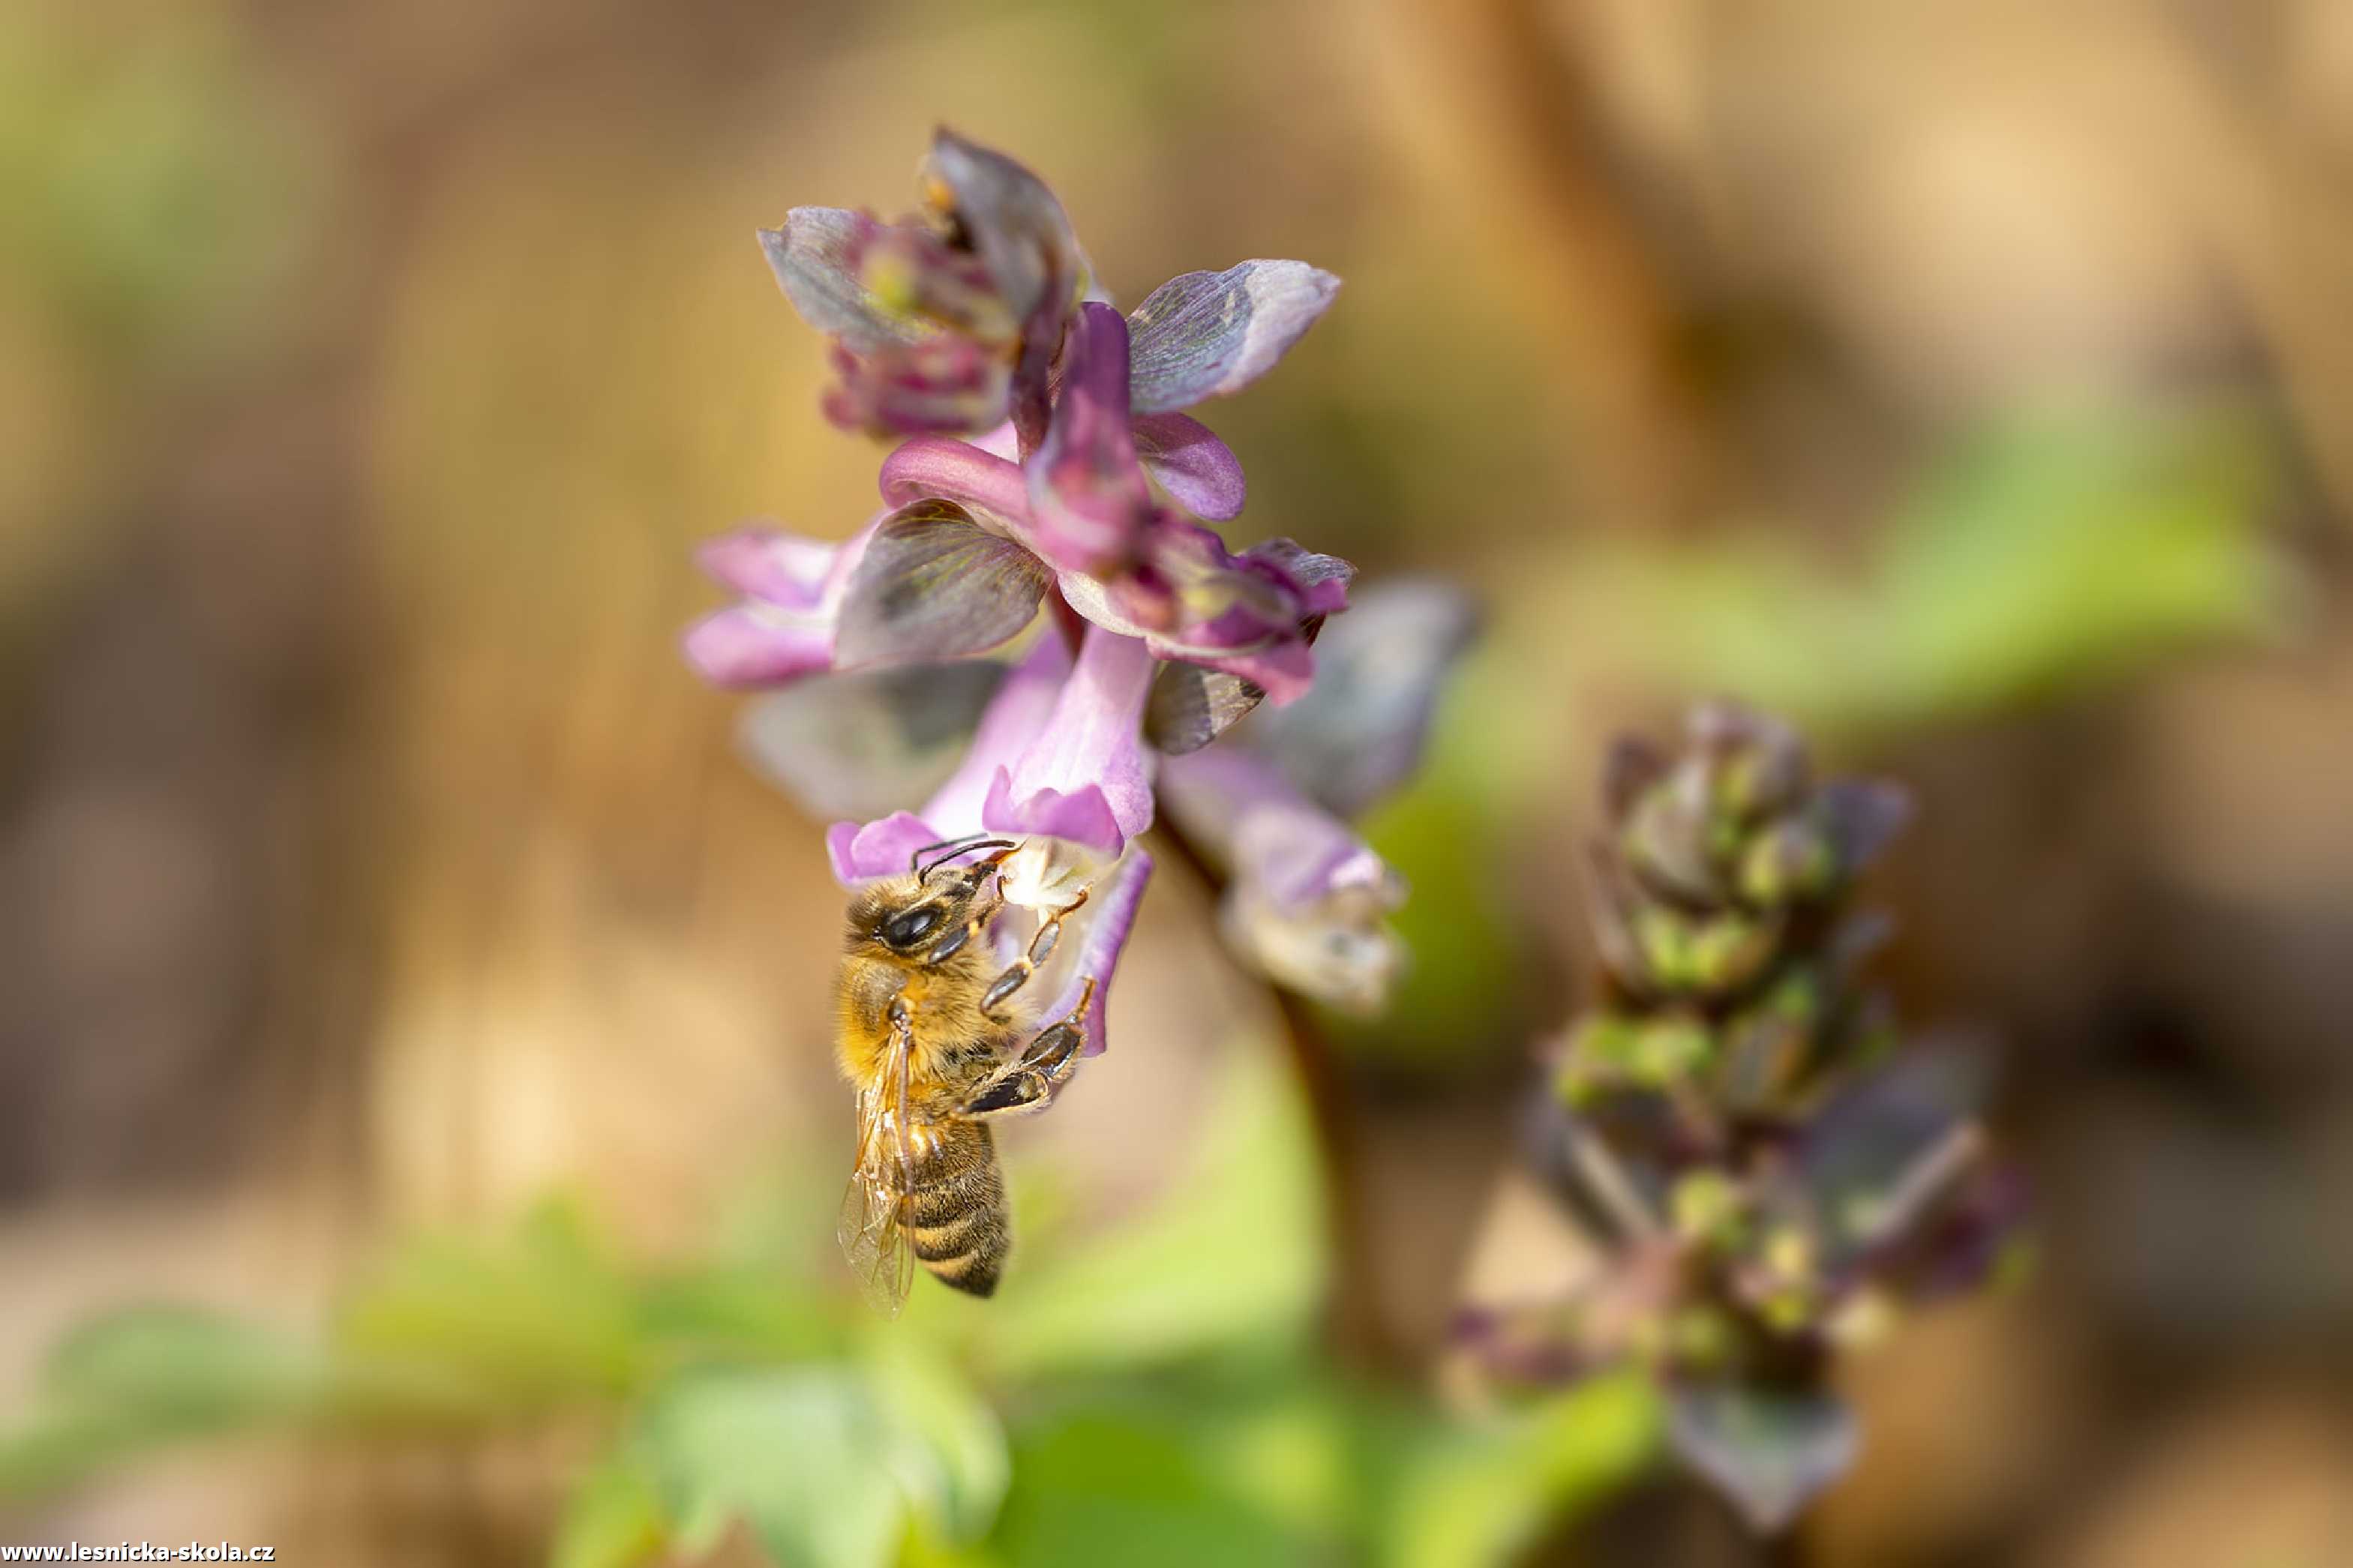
pixel 1042 577
pixel 1773 1177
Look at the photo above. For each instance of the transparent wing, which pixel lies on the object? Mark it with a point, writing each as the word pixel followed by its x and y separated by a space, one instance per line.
pixel 870 1231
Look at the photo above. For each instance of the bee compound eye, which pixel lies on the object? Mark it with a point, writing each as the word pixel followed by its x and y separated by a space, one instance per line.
pixel 909 927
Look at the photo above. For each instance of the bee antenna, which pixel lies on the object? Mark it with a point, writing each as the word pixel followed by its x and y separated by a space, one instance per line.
pixel 954 848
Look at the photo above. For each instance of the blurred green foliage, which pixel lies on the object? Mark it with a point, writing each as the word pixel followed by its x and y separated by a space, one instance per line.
pixel 2041 555
pixel 1162 1386
pixel 155 192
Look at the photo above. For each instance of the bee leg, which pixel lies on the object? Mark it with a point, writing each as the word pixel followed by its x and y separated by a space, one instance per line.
pixel 1045 1064
pixel 954 941
pixel 1041 948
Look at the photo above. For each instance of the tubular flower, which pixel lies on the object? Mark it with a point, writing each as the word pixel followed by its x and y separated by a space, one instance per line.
pixel 1040 577
pixel 947 321
pixel 1307 902
pixel 1772 1176
pixel 1057 763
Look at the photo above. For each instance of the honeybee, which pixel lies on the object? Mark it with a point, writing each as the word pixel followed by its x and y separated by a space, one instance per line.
pixel 929 1043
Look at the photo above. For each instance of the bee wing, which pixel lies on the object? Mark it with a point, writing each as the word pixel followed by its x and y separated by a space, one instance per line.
pixel 875 1243
pixel 870 1231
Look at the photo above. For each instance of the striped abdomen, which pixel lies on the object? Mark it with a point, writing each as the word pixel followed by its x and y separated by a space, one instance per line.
pixel 955 1218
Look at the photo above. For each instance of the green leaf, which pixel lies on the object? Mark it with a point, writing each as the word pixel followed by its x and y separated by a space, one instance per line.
pixel 532 1319
pixel 56 1447
pixel 184 1368
pixel 1235 1252
pixel 828 1464
pixel 1474 1498
pixel 794 1454
pixel 613 1519
pixel 133 1379
pixel 1128 1479
pixel 746 1310
pixel 954 1464
pixel 2042 556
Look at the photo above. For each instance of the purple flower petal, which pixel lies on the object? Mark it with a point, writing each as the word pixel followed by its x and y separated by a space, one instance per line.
pixel 934 584
pixel 1308 901
pixel 946 384
pixel 862 851
pixel 1002 442
pixel 1014 717
pixel 1209 333
pixel 1012 220
pixel 1111 911
pixel 1081 816
pixel 980 481
pixel 1088 499
pixel 748 645
pixel 1358 734
pixel 1086 778
pixel 783 568
pixel 1320 582
pixel 944 325
pixel 1251 615
pixel 1200 472
pixel 784 628
pixel 1021 235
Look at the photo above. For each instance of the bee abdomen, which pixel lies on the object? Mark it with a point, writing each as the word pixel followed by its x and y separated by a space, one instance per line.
pixel 955 1219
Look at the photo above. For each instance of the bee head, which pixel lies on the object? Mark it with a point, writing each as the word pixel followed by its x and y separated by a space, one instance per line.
pixel 925 912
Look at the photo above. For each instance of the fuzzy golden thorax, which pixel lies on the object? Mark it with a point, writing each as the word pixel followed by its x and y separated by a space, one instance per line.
pixel 902 945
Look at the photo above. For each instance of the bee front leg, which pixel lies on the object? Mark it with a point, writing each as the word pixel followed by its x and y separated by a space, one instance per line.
pixel 984 911
pixel 1044 1065
pixel 1041 948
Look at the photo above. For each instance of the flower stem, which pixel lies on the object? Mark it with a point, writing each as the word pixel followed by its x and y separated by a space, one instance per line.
pixel 1353 1317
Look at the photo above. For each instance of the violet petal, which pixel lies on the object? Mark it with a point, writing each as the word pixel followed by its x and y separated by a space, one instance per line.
pixel 748 645
pixel 1112 905
pixel 1205 334
pixel 1018 227
pixel 1014 717
pixel 1088 499
pixel 1200 472
pixel 1307 902
pixel 862 851
pixel 1248 615
pixel 1320 582
pixel 971 476
pixel 767 564
pixel 944 384
pixel 784 629
pixel 1086 777
pixel 1011 218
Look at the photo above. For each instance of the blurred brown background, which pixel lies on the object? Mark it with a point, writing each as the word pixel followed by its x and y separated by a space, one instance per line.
pixel 367 857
